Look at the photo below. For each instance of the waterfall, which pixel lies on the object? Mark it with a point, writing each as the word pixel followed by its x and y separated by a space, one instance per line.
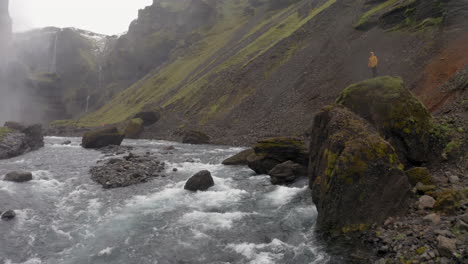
pixel 87 103
pixel 53 65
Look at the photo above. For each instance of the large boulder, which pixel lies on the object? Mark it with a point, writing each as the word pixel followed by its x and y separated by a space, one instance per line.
pixel 395 112
pixel 134 128
pixel 17 176
pixel 195 137
pixel 201 181
pixel 356 176
pixel 102 138
pixel 273 151
pixel 239 158
pixel 148 117
pixel 8 215
pixel 286 172
pixel 17 139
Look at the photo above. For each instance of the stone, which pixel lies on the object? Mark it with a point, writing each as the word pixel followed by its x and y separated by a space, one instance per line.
pixel 432 218
pixel 419 174
pixel 356 177
pixel 102 138
pixel 174 169
pixel 454 179
pixel 67 142
pixel 286 172
pixel 15 142
pixel 273 151
pixel 134 128
pixel 169 148
pixel 201 181
pixel 19 177
pixel 396 113
pixel 8 215
pixel 195 137
pixel 447 247
pixel 239 158
pixel 426 202
pixel 423 189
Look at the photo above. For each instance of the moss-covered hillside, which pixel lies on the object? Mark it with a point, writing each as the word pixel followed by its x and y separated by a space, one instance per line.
pixel 254 67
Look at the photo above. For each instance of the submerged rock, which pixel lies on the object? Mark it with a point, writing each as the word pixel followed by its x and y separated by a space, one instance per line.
pixel 16 176
pixel 102 138
pixel 287 172
pixel 201 181
pixel 274 151
pixel 195 137
pixel 356 177
pixel 67 142
pixel 17 139
pixel 240 158
pixel 131 170
pixel 396 113
pixel 8 215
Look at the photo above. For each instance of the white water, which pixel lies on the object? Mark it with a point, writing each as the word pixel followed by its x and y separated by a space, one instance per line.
pixel 64 217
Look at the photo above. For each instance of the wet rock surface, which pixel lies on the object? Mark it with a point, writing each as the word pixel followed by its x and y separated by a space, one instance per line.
pixel 102 138
pixel 239 159
pixel 195 137
pixel 17 139
pixel 17 176
pixel 201 181
pixel 8 215
pixel 287 172
pixel 126 171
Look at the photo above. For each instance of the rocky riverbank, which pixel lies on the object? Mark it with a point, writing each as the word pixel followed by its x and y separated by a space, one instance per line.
pixel 17 139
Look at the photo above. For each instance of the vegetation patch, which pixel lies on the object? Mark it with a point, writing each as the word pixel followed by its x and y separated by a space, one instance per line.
pixel 4 131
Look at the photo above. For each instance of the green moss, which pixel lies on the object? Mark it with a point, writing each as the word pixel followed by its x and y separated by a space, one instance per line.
pixel 4 131
pixel 448 201
pixel 354 228
pixel 364 19
pixel 419 174
pixel 421 250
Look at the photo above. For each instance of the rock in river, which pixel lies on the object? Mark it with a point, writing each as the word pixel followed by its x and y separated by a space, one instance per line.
pixel 16 176
pixel 8 215
pixel 17 139
pixel 102 138
pixel 201 181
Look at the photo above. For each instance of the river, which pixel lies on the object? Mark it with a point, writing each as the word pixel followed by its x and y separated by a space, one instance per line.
pixel 63 217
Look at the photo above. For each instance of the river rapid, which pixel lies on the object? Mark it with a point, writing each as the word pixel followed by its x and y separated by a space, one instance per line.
pixel 63 217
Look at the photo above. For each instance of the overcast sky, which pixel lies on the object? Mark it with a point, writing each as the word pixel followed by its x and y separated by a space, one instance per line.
pixel 101 16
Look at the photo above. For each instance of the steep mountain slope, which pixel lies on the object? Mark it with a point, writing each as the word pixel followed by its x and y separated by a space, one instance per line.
pixel 253 69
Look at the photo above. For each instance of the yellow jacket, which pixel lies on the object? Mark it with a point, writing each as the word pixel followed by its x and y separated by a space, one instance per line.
pixel 373 61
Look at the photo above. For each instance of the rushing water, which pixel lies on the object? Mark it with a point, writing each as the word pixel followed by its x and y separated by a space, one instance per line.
pixel 63 217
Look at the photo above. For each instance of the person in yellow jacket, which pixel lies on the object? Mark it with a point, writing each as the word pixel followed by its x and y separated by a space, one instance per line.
pixel 373 61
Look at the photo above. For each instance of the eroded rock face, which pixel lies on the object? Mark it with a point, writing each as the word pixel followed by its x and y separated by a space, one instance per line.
pixel 102 138
pixel 396 114
pixel 274 151
pixel 201 181
pixel 149 117
pixel 355 175
pixel 17 139
pixel 134 128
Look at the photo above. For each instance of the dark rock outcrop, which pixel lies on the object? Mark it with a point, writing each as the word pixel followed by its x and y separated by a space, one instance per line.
pixel 17 139
pixel 102 138
pixel 355 175
pixel 397 115
pixel 149 117
pixel 8 215
pixel 195 137
pixel 133 169
pixel 273 151
pixel 201 181
pixel 287 172
pixel 134 128
pixel 16 176
pixel 240 158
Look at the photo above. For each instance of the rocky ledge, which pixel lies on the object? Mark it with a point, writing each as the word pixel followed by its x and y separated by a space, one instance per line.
pixel 129 170
pixel 17 139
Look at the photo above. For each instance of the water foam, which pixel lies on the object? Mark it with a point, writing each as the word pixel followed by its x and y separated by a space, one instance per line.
pixel 212 221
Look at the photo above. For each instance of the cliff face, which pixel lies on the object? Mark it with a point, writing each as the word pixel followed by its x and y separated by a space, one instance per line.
pixel 240 70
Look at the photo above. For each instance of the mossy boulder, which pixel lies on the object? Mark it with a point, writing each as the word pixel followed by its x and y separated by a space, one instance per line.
pixel 355 175
pixel 449 201
pixel 419 174
pixel 239 158
pixel 273 151
pixel 195 137
pixel 102 138
pixel 17 139
pixel 396 113
pixel 134 128
pixel 286 172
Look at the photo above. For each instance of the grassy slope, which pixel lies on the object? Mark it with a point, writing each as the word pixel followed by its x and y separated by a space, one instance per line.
pixel 180 83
